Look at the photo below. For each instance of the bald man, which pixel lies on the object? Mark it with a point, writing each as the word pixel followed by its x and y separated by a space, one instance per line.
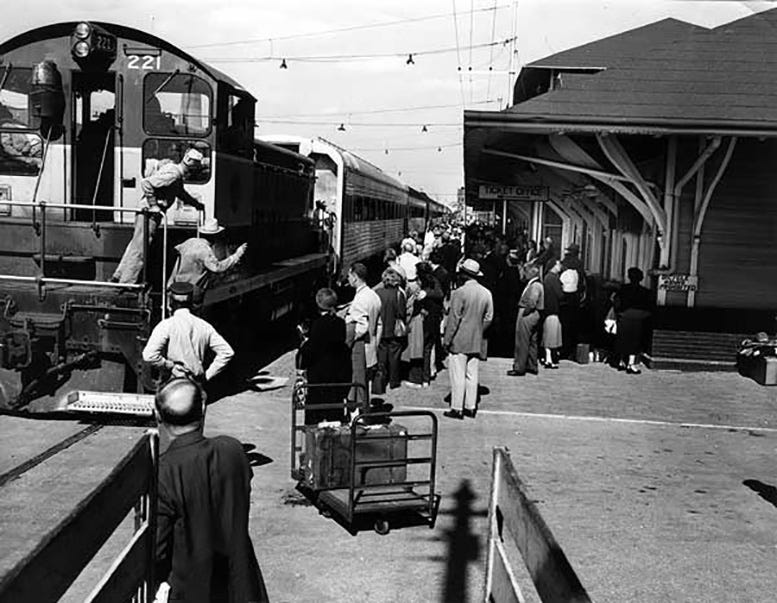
pixel 204 551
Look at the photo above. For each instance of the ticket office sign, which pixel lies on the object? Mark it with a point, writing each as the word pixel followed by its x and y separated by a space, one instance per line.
pixel 513 192
pixel 678 282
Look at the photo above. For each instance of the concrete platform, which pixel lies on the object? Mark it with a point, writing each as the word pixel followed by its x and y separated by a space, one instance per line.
pixel 658 486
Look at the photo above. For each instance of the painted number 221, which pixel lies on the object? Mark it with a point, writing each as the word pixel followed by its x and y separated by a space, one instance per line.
pixel 146 62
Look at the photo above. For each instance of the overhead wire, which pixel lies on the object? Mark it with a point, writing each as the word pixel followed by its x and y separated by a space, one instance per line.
pixel 471 33
pixel 347 57
pixel 458 54
pixel 376 111
pixel 491 52
pixel 340 29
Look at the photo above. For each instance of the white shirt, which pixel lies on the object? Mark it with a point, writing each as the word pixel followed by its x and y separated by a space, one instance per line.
pixel 364 312
pixel 408 262
pixel 186 338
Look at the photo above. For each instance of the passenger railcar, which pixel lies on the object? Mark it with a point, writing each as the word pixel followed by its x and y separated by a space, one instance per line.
pixel 370 209
pixel 85 110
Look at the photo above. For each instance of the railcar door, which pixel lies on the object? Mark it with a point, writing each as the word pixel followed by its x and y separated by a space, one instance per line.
pixel 93 131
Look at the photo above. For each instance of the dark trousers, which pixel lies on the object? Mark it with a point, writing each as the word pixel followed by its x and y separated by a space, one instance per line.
pixel 389 352
pixel 569 315
pixel 431 342
pixel 525 357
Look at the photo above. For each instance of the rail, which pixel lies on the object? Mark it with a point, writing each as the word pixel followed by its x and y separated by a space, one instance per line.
pixel 42 280
pixel 47 573
pixel 512 515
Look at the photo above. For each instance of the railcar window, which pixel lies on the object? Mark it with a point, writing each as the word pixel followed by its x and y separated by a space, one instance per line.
pixel 20 152
pixel 164 148
pixel 176 105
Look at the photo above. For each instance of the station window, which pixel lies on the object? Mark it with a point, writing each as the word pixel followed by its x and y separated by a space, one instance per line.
pixel 176 105
pixel 159 149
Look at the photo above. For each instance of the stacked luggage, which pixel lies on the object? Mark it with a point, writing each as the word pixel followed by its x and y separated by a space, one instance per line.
pixel 757 359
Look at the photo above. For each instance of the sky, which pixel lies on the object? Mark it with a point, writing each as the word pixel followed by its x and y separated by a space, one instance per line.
pixel 349 61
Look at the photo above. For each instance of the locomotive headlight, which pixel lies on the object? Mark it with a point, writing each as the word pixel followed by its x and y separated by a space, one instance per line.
pixel 82 31
pixel 81 49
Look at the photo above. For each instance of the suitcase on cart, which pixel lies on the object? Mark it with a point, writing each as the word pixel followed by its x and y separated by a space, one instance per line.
pixel 326 457
pixel 761 369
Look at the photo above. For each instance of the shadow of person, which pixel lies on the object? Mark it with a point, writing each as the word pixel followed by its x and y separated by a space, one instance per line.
pixel 765 491
pixel 463 546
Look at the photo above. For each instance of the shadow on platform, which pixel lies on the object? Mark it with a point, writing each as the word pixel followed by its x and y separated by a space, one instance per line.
pixel 765 491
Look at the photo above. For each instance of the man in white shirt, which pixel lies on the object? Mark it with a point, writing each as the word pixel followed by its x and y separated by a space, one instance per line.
pixel 408 260
pixel 179 344
pixel 361 323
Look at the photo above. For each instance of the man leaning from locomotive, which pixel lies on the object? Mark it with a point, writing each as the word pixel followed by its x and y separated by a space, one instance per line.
pixel 160 190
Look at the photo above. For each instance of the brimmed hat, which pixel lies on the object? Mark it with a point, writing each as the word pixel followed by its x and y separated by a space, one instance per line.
pixel 181 290
pixel 192 158
pixel 574 248
pixel 210 227
pixel 471 267
pixel 513 256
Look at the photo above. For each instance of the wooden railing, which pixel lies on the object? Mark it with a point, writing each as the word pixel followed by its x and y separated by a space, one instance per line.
pixel 49 570
pixel 512 515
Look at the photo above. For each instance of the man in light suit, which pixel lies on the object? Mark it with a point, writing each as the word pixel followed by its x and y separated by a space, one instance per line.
pixel 471 312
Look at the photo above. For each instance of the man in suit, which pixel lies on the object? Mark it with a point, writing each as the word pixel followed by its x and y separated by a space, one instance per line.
pixel 204 552
pixel 471 313
pixel 527 324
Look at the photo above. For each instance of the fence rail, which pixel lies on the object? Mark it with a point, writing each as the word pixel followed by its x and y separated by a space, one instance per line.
pixel 49 570
pixel 515 517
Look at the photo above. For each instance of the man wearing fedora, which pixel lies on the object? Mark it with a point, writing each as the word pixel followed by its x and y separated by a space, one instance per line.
pixel 160 190
pixel 471 312
pixel 197 261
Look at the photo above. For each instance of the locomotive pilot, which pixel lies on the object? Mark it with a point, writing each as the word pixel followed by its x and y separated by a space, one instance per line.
pixel 160 190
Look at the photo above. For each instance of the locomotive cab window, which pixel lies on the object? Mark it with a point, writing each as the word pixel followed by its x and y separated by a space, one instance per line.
pixel 176 105
pixel 156 150
pixel 20 152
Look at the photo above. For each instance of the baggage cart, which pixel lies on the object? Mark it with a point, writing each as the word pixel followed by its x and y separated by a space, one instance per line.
pixel 379 466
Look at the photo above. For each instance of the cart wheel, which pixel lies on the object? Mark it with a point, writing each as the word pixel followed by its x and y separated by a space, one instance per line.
pixel 382 526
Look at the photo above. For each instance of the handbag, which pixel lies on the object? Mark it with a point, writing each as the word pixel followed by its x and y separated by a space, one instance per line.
pixel 610 323
pixel 400 328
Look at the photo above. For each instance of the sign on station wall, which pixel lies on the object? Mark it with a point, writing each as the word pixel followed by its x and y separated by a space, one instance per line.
pixel 513 192
pixel 678 282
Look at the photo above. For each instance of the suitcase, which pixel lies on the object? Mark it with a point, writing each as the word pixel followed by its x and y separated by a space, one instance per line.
pixel 327 455
pixel 583 353
pixel 761 369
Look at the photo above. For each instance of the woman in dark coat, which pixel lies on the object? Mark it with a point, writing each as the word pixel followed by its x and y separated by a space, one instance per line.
pixel 633 305
pixel 393 311
pixel 327 359
pixel 430 306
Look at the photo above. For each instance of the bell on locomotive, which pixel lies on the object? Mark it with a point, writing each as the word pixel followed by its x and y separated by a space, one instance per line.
pixel 47 98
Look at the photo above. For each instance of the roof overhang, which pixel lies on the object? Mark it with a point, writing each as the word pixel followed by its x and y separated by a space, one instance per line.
pixel 506 121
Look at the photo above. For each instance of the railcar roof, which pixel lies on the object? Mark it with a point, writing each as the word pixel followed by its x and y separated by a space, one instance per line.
pixel 58 30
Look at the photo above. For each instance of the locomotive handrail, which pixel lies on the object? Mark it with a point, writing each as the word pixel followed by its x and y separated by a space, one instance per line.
pixel 68 281
pixel 135 210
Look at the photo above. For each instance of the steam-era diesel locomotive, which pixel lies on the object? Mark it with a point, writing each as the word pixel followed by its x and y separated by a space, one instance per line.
pixel 88 109
pixel 85 110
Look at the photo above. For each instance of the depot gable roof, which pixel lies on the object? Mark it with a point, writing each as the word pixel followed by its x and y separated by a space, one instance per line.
pixel 663 76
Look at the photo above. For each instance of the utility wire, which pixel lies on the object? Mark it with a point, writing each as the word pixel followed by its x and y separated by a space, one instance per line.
pixel 374 111
pixel 458 54
pixel 346 57
pixel 359 124
pixel 491 52
pixel 432 147
pixel 471 33
pixel 325 32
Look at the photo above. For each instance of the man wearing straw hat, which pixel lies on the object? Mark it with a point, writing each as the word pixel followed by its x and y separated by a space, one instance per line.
pixel 160 190
pixel 197 260
pixel 470 314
